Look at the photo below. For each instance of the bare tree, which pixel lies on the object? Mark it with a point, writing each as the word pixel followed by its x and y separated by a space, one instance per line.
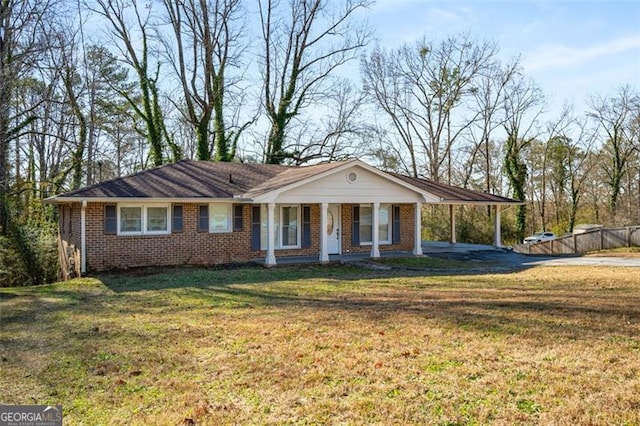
pixel 423 89
pixel 579 157
pixel 522 107
pixel 133 42
pixel 548 163
pixel 489 98
pixel 614 116
pixel 386 88
pixel 207 36
pixel 337 134
pixel 24 25
pixel 304 42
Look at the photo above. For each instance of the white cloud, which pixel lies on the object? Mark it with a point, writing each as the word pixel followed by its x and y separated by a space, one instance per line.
pixel 562 56
pixel 392 5
pixel 443 16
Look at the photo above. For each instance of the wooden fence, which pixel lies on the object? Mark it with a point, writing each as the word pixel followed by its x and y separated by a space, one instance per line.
pixel 594 240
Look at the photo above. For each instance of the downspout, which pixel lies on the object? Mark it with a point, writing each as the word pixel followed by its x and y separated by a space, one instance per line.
pixel 83 238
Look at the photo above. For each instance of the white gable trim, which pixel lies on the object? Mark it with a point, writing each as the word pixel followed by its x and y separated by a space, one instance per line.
pixel 271 196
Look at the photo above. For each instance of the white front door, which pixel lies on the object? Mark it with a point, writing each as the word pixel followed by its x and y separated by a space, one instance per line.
pixel 333 229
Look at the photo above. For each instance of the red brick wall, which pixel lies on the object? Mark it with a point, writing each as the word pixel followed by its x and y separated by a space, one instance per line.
pixel 180 248
pixel 105 252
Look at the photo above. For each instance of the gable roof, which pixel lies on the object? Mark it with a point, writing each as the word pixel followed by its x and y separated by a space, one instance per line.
pixel 204 180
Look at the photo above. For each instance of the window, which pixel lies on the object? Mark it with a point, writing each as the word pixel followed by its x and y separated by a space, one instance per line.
pixel 131 219
pixel 289 226
pixel 383 224
pixel 366 221
pixel 287 230
pixel 143 219
pixel 220 217
pixel 366 224
pixel 157 219
pixel 215 217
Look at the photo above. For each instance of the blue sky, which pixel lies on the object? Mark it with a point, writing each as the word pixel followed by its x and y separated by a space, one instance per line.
pixel 571 48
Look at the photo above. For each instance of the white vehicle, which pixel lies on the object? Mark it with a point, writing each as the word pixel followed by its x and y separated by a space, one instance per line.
pixel 539 237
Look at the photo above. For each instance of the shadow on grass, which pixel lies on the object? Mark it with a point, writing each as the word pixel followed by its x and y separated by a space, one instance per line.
pixel 323 291
pixel 438 264
pixel 376 295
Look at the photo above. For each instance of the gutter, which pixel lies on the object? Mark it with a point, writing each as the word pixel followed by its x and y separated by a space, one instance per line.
pixel 83 238
pixel 62 200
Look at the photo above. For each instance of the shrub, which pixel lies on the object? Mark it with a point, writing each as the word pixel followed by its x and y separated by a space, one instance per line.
pixel 28 256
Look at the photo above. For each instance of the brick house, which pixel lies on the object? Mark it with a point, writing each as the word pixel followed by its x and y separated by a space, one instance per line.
pixel 204 213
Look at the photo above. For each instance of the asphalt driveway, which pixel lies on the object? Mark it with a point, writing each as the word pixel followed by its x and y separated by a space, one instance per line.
pixel 509 258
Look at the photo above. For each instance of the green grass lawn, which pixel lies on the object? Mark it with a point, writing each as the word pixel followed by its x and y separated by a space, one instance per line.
pixel 328 345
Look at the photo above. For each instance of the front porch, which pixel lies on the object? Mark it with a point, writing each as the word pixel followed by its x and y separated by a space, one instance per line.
pixel 325 231
pixel 355 231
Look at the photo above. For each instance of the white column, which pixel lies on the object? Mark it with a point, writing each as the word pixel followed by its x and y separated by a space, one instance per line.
pixel 452 215
pixel 375 237
pixel 83 237
pixel 324 252
pixel 417 247
pixel 497 231
pixel 271 235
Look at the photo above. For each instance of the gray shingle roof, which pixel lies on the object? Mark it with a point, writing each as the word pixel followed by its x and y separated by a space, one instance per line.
pixel 454 194
pixel 189 179
pixel 200 179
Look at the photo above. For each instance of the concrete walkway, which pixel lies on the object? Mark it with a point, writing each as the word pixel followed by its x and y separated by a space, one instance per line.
pixel 633 262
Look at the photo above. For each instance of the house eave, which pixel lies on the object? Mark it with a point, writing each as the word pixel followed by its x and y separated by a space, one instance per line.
pixel 479 203
pixel 189 200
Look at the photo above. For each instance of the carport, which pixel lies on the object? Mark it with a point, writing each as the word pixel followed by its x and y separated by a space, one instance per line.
pixel 454 196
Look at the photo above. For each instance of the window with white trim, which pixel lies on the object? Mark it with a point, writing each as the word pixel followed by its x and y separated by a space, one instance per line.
pixel 287 231
pixel 290 231
pixel 366 224
pixel 143 219
pixel 220 217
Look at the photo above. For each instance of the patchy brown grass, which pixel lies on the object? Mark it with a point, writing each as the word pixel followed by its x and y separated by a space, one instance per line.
pixel 318 345
pixel 628 252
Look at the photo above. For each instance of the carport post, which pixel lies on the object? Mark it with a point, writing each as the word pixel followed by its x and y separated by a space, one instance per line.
pixel 375 239
pixel 497 231
pixel 417 248
pixel 452 215
pixel 271 235
pixel 324 253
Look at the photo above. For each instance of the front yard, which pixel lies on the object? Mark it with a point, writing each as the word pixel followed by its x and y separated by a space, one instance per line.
pixel 327 345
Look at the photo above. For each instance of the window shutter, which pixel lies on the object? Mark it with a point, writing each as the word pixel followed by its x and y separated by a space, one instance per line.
pixel 355 226
pixel 110 219
pixel 396 225
pixel 176 218
pixel 203 218
pixel 237 217
pixel 255 227
pixel 306 226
